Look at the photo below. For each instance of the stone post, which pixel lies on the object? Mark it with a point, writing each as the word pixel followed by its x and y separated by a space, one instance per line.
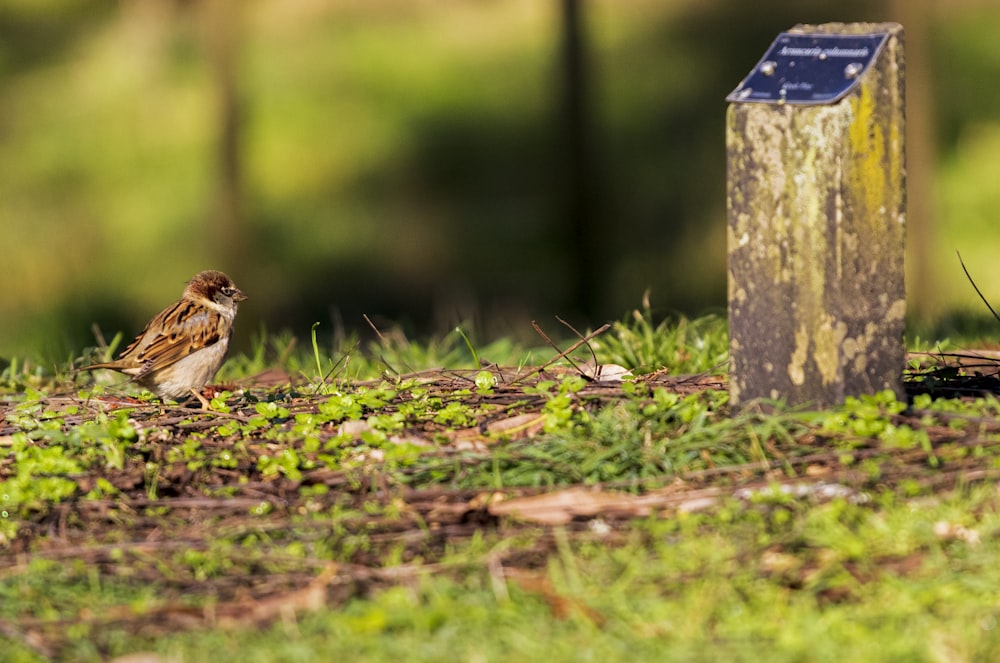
pixel 816 217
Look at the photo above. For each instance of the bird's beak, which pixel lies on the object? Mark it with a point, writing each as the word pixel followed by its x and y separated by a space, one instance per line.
pixel 238 296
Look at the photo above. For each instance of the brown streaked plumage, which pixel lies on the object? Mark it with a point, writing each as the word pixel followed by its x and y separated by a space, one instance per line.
pixel 182 348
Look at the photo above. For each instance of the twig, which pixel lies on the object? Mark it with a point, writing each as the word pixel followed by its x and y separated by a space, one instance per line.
pixel 30 640
pixel 374 328
pixel 600 330
pixel 383 341
pixel 975 287
pixel 555 347
pixel 345 359
pixel 579 335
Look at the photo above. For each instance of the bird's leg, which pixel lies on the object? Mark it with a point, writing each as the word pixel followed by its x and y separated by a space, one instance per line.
pixel 201 399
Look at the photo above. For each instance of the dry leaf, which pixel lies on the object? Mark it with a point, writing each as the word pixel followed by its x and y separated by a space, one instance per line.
pixel 696 504
pixel 483 499
pixel 409 439
pixel 779 562
pixel 518 426
pixel 951 532
pixel 467 439
pixel 562 606
pixel 604 372
pixel 141 657
pixel 354 427
pixel 562 507
pixel 611 373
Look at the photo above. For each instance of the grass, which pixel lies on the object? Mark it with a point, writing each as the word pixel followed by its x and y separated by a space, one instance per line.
pixel 446 498
pixel 819 583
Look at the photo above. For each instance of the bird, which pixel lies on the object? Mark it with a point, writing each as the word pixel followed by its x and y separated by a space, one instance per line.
pixel 182 348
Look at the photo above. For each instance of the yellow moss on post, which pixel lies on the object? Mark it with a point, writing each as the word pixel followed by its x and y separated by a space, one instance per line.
pixel 816 209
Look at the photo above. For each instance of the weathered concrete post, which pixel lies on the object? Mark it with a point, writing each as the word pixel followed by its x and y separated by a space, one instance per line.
pixel 816 207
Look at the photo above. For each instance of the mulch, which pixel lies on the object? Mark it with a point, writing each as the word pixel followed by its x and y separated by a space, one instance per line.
pixel 258 536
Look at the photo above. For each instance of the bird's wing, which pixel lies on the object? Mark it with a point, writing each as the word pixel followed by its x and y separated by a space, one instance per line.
pixel 175 333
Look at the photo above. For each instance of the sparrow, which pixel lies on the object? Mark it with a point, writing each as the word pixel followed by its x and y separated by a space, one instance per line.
pixel 182 348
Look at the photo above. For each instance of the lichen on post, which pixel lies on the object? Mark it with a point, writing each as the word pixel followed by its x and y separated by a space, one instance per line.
pixel 816 223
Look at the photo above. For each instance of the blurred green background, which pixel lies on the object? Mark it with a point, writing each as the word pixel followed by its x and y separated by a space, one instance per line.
pixel 427 163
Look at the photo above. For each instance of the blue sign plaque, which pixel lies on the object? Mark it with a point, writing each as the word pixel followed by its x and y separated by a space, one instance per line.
pixel 809 69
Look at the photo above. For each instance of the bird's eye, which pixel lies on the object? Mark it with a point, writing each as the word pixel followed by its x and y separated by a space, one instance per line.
pixel 227 291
